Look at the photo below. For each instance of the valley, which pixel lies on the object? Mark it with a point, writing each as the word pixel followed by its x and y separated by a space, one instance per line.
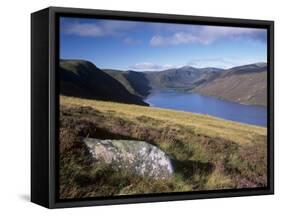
pixel 245 84
pixel 107 114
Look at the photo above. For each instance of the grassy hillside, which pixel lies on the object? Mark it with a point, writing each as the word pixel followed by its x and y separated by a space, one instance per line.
pixel 119 75
pixel 208 153
pixel 244 84
pixel 83 79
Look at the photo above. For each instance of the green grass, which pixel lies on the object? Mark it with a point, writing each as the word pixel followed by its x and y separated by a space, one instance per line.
pixel 208 153
pixel 102 180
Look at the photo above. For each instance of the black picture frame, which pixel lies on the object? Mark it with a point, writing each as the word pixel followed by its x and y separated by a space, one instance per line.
pixel 45 101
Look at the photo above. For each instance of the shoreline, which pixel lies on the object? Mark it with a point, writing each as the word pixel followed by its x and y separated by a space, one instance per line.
pixel 259 107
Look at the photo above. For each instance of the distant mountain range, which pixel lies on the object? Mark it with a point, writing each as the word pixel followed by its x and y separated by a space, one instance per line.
pixel 244 84
pixel 184 77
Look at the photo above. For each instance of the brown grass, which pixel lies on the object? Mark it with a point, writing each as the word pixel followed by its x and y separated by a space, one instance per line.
pixel 208 153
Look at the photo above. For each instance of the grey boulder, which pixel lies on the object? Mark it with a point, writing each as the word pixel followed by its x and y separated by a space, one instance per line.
pixel 137 157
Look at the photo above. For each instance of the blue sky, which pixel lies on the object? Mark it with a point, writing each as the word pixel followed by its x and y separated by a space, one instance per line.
pixel 146 46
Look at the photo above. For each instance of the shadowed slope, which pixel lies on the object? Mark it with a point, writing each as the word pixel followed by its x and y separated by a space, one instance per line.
pixel 83 79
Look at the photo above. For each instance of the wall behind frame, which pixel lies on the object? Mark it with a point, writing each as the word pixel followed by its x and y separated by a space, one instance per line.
pixel 15 107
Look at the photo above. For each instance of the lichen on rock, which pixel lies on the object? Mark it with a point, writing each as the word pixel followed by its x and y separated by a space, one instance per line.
pixel 138 157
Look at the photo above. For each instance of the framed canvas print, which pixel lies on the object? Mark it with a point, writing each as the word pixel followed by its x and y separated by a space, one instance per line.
pixel 139 107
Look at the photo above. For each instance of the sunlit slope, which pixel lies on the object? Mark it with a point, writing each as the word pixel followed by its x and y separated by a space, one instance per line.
pixel 203 124
pixel 245 84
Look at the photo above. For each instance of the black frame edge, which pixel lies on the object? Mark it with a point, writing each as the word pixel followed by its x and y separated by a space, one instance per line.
pixel 270 90
pixel 39 108
pixel 178 17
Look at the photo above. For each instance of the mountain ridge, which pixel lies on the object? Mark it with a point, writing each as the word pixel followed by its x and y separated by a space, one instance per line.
pixel 244 84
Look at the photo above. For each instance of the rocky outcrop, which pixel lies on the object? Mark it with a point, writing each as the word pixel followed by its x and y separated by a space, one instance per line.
pixel 138 157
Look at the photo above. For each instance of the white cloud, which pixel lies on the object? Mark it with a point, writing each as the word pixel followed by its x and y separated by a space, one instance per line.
pixel 84 29
pixel 175 39
pixel 206 35
pixel 225 63
pixel 148 66
pixel 97 29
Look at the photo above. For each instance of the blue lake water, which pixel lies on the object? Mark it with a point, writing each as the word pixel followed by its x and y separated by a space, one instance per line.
pixel 197 103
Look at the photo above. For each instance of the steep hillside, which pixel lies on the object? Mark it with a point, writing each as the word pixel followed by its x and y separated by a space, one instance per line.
pixel 136 83
pixel 244 84
pixel 140 82
pixel 83 79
